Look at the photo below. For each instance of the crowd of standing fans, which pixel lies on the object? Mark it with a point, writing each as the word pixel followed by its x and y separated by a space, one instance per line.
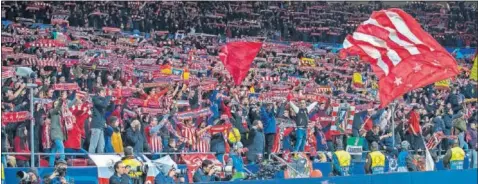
pixel 113 107
pixel 451 23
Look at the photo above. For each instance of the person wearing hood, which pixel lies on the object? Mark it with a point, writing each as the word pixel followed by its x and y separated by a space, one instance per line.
pixel 167 175
pixel 405 159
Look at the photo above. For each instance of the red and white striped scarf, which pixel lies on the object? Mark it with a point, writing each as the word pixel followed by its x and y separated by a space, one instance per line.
pixel 46 142
pixel 154 141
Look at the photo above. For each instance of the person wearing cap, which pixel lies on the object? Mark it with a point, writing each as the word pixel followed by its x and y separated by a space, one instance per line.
pixel 167 175
pixel 405 159
pixel 136 172
pixel 375 162
pixel 341 161
pixel 454 157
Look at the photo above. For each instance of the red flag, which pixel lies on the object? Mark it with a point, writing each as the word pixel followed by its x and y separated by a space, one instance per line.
pixel 237 58
pixel 402 55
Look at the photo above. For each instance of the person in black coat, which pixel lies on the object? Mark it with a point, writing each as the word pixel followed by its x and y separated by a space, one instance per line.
pixel 135 138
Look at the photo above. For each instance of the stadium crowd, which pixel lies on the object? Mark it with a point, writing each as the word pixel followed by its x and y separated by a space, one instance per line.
pixel 100 90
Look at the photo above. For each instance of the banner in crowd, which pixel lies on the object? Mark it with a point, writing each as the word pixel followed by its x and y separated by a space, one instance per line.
pixel 355 145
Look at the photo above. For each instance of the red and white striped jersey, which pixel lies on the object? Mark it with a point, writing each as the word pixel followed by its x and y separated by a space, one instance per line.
pixel 203 142
pixel 154 140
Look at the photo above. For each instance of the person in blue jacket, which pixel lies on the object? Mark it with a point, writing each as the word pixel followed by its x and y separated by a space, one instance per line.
pixel 405 159
pixel 269 121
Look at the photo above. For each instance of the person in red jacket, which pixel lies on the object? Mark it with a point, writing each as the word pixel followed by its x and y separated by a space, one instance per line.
pixel 81 111
pixel 21 146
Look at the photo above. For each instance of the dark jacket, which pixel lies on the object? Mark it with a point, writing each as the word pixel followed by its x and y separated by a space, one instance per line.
pixel 136 140
pixel 217 143
pixel 200 176
pixel 438 124
pixel 163 179
pixel 448 124
pixel 237 122
pixel 99 110
pixel 257 140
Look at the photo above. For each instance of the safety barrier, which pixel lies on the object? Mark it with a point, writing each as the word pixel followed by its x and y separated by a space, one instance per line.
pixel 88 175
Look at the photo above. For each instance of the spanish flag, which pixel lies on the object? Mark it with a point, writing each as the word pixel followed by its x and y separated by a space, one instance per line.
pixel 166 69
pixel 357 80
pixel 474 69
pixel 186 74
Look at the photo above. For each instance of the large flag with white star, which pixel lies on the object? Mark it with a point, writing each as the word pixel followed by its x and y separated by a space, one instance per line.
pixel 402 55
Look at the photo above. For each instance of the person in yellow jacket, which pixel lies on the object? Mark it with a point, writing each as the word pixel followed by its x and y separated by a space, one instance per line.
pixel 454 157
pixel 375 162
pixel 137 171
pixel 341 161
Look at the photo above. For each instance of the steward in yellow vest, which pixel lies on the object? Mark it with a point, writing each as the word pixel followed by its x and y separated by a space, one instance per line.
pixel 454 157
pixel 341 161
pixel 375 162
pixel 137 171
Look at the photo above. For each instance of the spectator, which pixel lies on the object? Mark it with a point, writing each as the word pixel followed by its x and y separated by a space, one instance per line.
pixel 98 123
pixel 302 120
pixel 257 142
pixel 268 117
pixel 21 146
pixel 135 137
pixel 56 132
pixel 112 122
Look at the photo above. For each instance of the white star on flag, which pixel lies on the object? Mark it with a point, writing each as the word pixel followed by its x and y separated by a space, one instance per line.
pixel 417 67
pixel 398 81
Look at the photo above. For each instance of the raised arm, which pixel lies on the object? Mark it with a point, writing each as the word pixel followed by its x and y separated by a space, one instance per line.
pixel 294 107
pixel 311 106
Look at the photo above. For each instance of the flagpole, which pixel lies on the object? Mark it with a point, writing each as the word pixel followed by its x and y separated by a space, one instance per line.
pixel 393 124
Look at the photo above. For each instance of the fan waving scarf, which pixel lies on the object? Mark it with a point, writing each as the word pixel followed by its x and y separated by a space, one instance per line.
pixel 237 58
pixel 402 55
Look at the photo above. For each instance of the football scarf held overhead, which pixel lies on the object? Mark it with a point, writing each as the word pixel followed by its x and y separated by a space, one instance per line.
pixel 15 117
pixel 193 114
pixel 66 86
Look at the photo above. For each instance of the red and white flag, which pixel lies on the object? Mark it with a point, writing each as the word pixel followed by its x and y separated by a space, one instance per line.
pixel 402 55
